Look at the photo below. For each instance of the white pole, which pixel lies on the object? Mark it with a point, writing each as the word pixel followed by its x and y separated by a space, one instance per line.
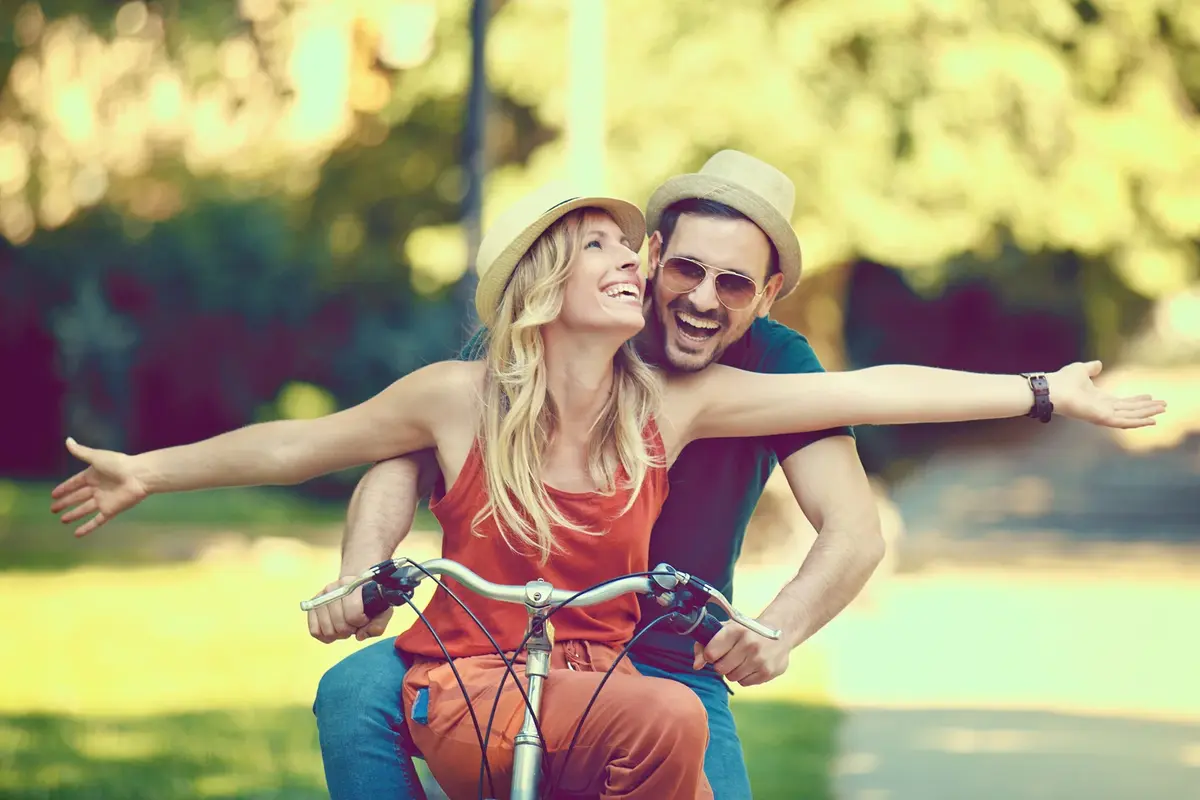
pixel 585 93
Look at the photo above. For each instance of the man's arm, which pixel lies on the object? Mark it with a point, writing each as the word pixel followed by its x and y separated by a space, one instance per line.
pixel 831 487
pixel 380 516
pixel 720 401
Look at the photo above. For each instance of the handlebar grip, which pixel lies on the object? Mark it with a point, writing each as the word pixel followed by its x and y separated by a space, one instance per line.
pixel 374 602
pixel 707 629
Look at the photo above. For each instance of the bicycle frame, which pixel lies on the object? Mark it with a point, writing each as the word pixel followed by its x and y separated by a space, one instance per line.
pixel 669 586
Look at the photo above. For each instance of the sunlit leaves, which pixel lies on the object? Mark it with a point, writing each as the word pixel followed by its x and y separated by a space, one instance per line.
pixel 915 130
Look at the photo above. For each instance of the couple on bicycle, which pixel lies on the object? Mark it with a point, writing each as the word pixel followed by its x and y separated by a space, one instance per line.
pixel 560 446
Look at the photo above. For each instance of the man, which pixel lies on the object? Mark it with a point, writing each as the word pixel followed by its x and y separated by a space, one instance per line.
pixel 723 250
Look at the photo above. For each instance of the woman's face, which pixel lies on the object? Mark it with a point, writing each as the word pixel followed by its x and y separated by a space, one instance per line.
pixel 604 285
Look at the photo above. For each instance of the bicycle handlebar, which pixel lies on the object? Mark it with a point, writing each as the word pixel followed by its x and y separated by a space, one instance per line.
pixel 662 581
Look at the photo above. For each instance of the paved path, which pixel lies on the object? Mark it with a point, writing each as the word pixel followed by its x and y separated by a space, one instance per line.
pixel 1103 654
pixel 991 755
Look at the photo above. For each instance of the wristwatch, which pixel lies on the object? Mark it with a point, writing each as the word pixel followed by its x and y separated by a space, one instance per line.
pixel 1042 408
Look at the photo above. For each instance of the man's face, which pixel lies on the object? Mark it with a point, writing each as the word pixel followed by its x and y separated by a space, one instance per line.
pixel 695 327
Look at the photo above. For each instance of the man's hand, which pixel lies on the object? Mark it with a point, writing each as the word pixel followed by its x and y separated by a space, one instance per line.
pixel 1075 395
pixel 380 515
pixel 344 617
pixel 744 657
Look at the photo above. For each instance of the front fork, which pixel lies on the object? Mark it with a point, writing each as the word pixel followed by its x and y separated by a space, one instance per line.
pixel 528 746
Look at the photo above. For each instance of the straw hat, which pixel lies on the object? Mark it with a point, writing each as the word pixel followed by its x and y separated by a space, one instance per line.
pixel 753 187
pixel 515 231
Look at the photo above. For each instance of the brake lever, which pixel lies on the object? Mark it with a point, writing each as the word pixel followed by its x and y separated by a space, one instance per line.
pixel 670 580
pixel 715 596
pixel 382 569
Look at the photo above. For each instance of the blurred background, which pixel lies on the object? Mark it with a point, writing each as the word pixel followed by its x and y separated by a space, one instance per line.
pixel 216 212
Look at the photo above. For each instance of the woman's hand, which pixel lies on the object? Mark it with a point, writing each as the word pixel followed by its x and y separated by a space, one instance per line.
pixel 108 486
pixel 1074 395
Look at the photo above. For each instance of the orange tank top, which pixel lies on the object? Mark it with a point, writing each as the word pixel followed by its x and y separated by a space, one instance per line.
pixel 583 560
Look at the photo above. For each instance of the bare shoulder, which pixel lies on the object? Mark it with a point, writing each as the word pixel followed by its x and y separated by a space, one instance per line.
pixel 449 387
pixel 684 398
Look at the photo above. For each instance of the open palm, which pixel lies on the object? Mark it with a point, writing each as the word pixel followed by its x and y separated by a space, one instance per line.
pixel 1075 395
pixel 106 488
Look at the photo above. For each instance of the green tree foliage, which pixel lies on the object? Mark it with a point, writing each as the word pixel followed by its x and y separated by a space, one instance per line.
pixel 278 160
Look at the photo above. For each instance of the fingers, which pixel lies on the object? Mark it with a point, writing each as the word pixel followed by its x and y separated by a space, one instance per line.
pixel 732 659
pixel 73 499
pixel 91 525
pixel 314 626
pixel 747 665
pixel 1094 368
pixel 324 625
pixel 352 611
pixel 1132 412
pixel 755 678
pixel 87 507
pixel 719 646
pixel 337 618
pixel 79 451
pixel 376 627
pixel 1140 402
pixel 72 484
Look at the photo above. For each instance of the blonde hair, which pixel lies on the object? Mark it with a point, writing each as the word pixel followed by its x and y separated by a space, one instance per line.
pixel 519 417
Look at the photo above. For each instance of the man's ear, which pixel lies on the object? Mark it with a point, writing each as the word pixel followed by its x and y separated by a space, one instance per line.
pixel 774 283
pixel 653 253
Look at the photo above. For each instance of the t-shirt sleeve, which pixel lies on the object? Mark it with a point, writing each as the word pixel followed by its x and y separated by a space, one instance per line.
pixel 475 348
pixel 791 354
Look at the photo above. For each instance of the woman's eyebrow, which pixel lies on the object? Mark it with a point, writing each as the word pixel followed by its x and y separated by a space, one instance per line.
pixel 605 235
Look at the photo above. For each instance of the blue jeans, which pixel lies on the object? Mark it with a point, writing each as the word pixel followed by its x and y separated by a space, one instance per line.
pixel 359 711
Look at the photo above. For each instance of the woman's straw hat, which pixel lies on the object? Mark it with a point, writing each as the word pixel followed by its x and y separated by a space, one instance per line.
pixel 515 231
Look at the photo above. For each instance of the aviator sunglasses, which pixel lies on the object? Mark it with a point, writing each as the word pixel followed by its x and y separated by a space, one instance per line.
pixel 681 275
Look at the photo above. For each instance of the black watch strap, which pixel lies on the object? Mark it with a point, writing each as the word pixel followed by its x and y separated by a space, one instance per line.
pixel 1042 408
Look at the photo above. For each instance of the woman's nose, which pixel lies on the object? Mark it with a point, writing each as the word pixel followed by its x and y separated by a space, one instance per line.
pixel 631 260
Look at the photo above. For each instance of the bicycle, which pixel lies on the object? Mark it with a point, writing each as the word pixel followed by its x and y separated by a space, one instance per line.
pixel 684 596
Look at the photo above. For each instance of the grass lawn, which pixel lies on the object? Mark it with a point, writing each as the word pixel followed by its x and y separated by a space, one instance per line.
pixel 144 671
pixel 272 753
pixel 163 528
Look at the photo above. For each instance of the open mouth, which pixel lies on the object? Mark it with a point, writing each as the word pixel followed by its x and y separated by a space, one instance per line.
pixel 629 292
pixel 695 328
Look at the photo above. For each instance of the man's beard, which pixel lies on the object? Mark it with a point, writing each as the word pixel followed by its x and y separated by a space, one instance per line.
pixel 660 335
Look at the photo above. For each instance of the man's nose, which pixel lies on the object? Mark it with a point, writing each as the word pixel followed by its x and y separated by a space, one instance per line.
pixel 704 296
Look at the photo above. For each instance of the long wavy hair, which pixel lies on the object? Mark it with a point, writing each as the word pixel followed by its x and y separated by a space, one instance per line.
pixel 519 417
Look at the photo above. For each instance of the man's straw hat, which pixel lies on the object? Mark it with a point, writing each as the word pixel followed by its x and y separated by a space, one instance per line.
pixel 753 187
pixel 515 231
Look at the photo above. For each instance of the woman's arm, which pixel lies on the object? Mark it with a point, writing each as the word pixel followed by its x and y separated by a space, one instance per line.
pixel 400 419
pixel 724 402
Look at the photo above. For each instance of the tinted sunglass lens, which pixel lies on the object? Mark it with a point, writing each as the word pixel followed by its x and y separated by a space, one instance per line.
pixel 735 291
pixel 682 275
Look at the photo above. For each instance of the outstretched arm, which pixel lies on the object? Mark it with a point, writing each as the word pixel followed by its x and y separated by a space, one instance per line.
pixel 725 402
pixel 401 419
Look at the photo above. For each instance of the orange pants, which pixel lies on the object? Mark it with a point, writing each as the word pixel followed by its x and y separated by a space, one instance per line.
pixel 643 738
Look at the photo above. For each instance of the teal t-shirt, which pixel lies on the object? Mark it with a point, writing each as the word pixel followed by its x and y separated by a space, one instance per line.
pixel 715 485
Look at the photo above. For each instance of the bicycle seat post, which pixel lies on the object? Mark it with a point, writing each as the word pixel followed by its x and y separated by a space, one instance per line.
pixel 527 750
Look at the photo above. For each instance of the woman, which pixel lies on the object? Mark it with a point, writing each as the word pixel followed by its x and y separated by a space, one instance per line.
pixel 554 453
